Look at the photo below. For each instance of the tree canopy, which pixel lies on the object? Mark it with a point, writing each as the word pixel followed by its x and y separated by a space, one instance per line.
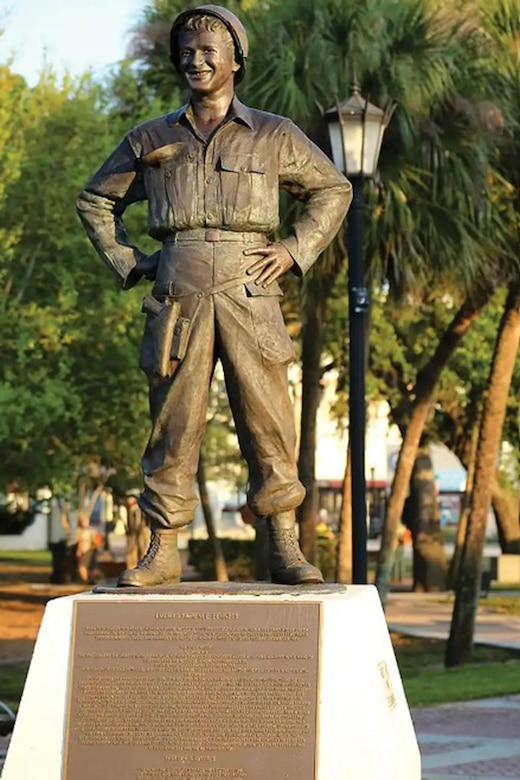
pixel 441 217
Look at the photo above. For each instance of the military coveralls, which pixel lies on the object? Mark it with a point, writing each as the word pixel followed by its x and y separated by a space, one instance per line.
pixel 208 200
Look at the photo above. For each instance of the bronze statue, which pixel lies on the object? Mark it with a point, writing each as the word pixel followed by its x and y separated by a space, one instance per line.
pixel 211 173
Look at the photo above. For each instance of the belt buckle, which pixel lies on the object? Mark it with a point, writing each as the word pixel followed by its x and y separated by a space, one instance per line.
pixel 212 234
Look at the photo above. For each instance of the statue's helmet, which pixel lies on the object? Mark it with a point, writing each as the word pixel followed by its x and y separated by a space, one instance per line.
pixel 230 21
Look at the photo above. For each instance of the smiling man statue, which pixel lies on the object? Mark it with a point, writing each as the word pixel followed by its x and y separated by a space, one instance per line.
pixel 211 173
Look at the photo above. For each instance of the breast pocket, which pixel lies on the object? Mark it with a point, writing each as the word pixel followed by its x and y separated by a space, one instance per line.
pixel 244 190
pixel 170 176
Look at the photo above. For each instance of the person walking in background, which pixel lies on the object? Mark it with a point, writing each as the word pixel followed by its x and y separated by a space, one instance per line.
pixel 403 537
pixel 86 548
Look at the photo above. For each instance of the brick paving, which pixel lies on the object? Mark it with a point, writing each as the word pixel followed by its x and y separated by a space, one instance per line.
pixel 477 740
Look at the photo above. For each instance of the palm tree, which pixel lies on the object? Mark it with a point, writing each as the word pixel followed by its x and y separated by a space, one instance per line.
pixel 479 204
pixel 411 227
pixel 503 22
pixel 422 212
pixel 423 397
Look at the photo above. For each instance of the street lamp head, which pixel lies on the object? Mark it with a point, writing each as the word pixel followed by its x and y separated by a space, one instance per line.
pixel 356 129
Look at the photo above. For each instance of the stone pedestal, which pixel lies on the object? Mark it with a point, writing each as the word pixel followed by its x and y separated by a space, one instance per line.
pixel 214 682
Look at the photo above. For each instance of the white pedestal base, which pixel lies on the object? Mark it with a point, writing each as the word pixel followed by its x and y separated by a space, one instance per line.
pixel 364 729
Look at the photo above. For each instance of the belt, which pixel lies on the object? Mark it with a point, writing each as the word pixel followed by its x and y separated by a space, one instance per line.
pixel 214 235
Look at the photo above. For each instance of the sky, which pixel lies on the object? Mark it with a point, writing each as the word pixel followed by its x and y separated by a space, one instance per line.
pixel 73 35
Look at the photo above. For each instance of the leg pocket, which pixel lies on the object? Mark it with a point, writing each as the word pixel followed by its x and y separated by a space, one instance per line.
pixel 274 343
pixel 156 355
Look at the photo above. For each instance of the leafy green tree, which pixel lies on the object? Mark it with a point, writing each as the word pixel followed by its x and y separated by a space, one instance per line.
pixel 70 391
pixel 458 411
pixel 13 117
pixel 460 643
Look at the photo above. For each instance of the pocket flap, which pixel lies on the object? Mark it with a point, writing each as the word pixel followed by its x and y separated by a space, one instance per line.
pixel 244 163
pixel 177 152
pixel 265 292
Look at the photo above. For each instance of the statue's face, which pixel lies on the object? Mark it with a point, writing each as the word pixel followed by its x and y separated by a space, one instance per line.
pixel 207 60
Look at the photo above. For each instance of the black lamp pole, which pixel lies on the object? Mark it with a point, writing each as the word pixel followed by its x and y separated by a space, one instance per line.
pixel 356 130
pixel 358 307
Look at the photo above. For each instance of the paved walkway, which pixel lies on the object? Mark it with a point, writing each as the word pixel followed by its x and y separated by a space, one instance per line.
pixel 429 615
pixel 477 740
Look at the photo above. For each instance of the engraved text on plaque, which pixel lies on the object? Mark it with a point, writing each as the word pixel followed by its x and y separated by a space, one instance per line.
pixel 184 690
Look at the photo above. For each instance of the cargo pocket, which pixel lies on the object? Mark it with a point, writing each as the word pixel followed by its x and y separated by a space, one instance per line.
pixel 157 357
pixel 274 343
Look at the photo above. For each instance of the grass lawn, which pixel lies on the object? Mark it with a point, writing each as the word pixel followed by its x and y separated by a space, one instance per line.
pixel 25 558
pixel 507 605
pixel 495 602
pixel 494 672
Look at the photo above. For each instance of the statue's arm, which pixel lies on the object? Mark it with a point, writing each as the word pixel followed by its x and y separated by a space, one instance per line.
pixel 308 174
pixel 101 206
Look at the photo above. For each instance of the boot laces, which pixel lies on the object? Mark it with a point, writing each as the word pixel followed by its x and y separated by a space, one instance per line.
pixel 288 547
pixel 149 556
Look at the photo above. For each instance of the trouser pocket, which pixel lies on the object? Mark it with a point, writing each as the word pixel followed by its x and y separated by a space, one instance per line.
pixel 274 342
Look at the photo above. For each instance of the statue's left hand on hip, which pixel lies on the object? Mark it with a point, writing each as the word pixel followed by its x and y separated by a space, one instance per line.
pixel 275 260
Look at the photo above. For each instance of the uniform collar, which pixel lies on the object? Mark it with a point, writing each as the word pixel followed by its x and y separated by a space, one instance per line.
pixel 237 112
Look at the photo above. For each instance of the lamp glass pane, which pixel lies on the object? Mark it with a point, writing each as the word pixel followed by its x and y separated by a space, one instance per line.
pixel 373 138
pixel 336 143
pixel 353 143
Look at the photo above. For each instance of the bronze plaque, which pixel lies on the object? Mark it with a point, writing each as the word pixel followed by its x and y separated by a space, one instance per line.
pixel 178 690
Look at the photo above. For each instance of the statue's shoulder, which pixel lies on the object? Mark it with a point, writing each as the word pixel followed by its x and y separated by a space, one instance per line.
pixel 153 133
pixel 264 119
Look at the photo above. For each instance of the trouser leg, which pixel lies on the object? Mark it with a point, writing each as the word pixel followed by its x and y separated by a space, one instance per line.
pixel 262 410
pixel 178 409
pixel 259 398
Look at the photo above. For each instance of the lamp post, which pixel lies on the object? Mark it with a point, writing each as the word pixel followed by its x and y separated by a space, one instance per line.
pixel 356 129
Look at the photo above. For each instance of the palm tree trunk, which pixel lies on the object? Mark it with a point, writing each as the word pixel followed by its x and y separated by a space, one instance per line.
pixel 220 564
pixel 459 647
pixel 312 344
pixel 424 395
pixel 344 554
pixel 454 568
pixel 429 557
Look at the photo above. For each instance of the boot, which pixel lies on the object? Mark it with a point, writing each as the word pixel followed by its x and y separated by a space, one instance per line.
pixel 286 561
pixel 160 565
